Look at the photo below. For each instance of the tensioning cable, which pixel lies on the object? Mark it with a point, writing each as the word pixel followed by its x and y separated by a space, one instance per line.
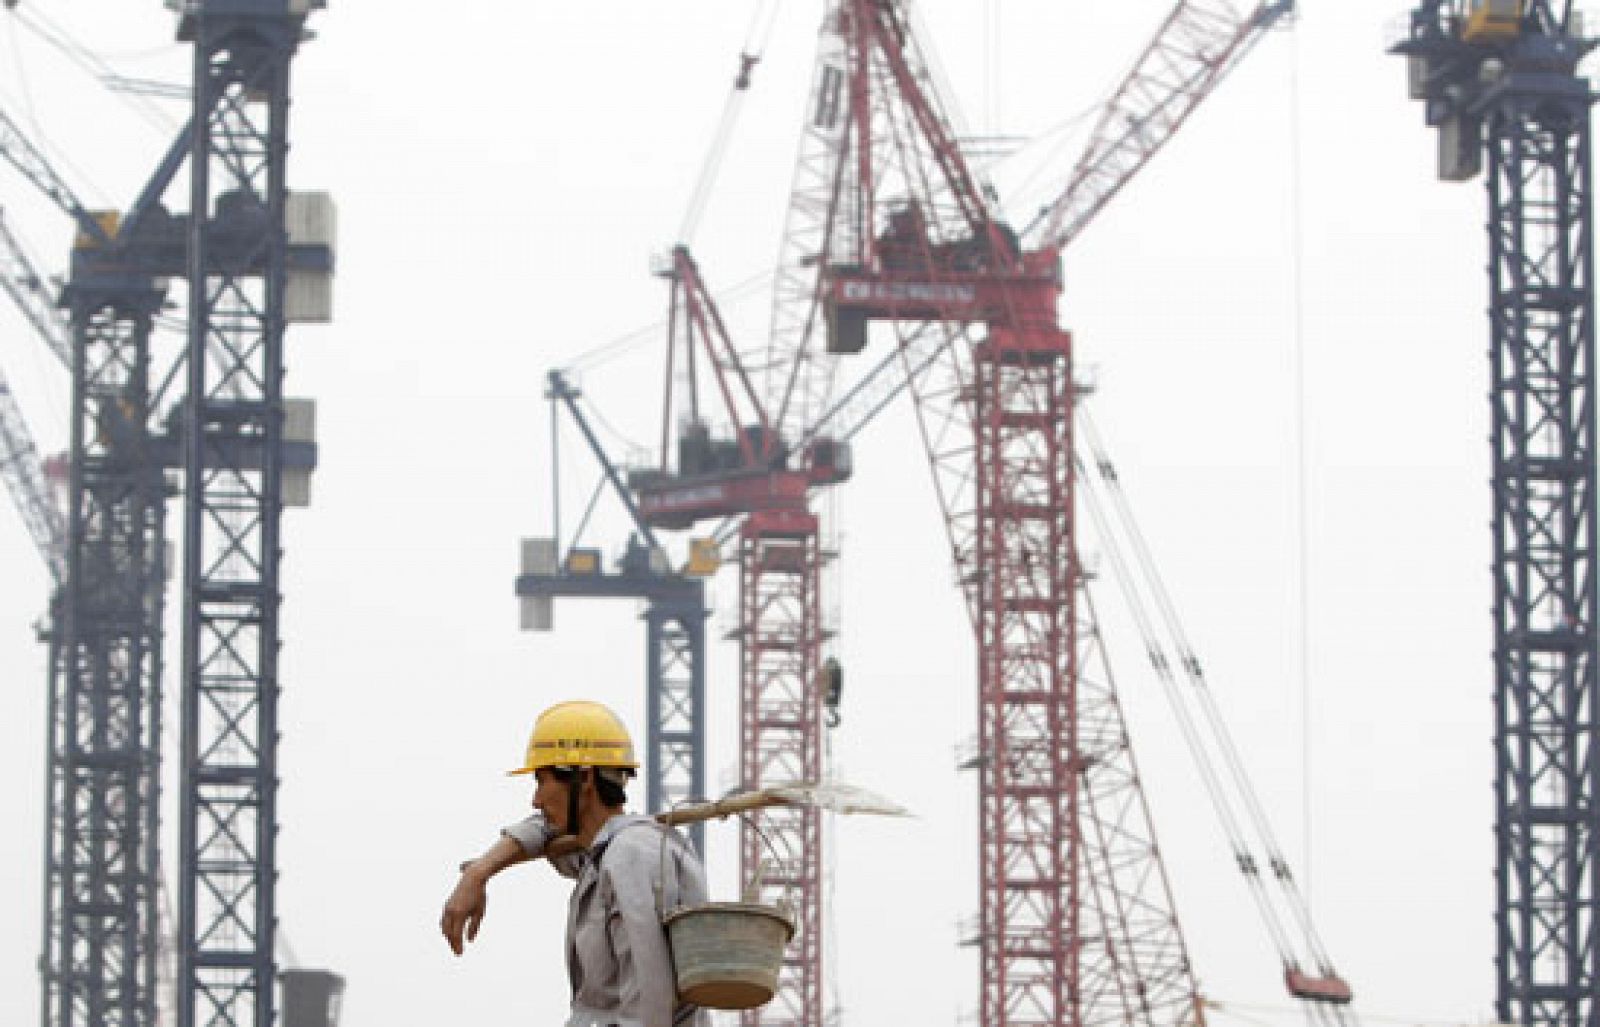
pixel 750 55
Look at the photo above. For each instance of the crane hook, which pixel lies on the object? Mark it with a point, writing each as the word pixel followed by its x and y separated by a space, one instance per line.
pixel 747 64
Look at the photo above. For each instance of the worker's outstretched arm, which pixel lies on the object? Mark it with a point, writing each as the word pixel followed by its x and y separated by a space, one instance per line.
pixel 529 838
pixel 463 911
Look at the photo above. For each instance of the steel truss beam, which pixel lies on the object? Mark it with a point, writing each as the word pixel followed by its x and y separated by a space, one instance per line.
pixel 22 474
pixel 237 276
pixel 780 643
pixel 1140 973
pixel 800 374
pixel 102 851
pixel 675 620
pixel 1547 696
pixel 1507 96
pixel 885 208
pixel 1029 795
pixel 1076 922
pixel 675 647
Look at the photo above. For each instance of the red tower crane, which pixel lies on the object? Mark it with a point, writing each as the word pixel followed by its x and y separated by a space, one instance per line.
pixel 889 225
pixel 749 471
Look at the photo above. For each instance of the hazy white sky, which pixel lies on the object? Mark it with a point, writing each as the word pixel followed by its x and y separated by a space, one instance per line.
pixel 504 172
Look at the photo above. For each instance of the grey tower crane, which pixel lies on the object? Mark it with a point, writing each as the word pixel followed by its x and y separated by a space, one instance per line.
pixel 675 625
pixel 1499 80
pixel 256 260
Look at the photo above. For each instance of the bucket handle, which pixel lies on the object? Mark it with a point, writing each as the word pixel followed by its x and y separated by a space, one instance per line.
pixel 752 890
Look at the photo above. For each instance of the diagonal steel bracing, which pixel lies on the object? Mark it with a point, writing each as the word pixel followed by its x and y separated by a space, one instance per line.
pixel 780 566
pixel 102 848
pixel 237 277
pixel 1547 695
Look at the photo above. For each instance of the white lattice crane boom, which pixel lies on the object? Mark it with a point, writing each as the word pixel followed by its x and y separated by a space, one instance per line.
pixel 31 290
pixel 1195 48
pixel 23 474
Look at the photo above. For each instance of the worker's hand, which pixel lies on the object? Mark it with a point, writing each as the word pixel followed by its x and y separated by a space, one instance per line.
pixel 463 911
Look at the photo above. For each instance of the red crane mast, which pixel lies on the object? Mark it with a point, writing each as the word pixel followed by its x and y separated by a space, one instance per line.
pixel 1062 831
pixel 752 473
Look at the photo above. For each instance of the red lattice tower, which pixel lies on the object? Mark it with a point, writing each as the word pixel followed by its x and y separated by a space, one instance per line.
pixel 730 465
pixel 781 741
pixel 1027 715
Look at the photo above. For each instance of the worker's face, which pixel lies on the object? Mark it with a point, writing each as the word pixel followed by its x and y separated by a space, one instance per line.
pixel 550 798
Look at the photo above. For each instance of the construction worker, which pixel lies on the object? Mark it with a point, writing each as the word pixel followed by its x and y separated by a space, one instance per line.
pixel 628 868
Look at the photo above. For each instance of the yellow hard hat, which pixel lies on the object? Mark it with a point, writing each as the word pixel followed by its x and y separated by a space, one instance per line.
pixel 578 734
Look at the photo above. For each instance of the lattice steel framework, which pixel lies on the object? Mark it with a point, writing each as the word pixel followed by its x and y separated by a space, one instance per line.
pixel 1141 973
pixel 102 851
pixel 237 276
pixel 1076 924
pixel 22 474
pixel 781 634
pixel 1507 98
pixel 103 954
pixel 1032 852
pixel 676 700
pixel 675 622
pixel 800 375
pixel 1547 697
pixel 675 631
pixel 1076 919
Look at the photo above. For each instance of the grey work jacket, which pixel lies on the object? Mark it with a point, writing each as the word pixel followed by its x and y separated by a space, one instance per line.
pixel 617 954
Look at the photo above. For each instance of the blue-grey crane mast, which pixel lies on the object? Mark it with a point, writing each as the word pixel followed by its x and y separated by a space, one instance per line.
pixel 675 622
pixel 246 451
pixel 102 875
pixel 246 283
pixel 102 854
pixel 1500 82
pixel 103 851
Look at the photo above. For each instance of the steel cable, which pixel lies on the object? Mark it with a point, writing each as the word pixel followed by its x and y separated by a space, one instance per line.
pixel 91 64
pixel 750 54
pixel 610 350
pixel 1248 865
pixel 1204 697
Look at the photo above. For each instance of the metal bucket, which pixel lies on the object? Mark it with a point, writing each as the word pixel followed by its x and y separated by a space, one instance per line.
pixel 726 954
